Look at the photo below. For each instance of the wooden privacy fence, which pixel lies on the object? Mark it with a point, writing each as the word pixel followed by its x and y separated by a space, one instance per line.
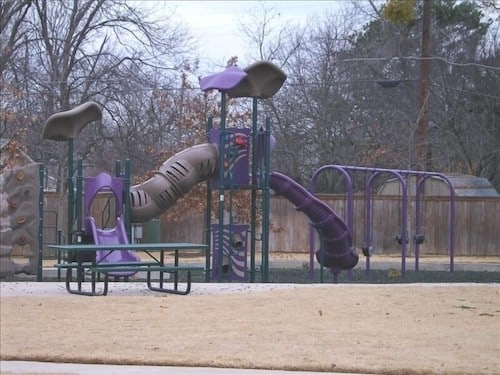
pixel 477 224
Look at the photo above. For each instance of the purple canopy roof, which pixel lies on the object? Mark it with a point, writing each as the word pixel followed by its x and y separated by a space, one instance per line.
pixel 223 81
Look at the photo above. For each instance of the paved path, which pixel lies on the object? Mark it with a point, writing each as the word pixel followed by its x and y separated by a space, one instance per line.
pixel 20 367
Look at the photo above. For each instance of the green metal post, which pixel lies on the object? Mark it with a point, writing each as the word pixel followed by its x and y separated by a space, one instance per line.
pixel 253 211
pixel 78 200
pixel 265 202
pixel 222 142
pixel 126 199
pixel 208 216
pixel 69 185
pixel 41 176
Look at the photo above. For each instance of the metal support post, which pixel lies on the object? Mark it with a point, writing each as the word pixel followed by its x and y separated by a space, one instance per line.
pixel 222 141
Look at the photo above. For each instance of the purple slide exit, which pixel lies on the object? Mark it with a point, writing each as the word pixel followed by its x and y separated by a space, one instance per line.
pixel 113 236
pixel 334 237
pixel 108 236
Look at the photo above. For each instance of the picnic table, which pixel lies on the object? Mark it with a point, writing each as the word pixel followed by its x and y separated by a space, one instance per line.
pixel 154 263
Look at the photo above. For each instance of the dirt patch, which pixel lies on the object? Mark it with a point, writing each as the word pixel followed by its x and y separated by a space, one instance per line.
pixel 387 329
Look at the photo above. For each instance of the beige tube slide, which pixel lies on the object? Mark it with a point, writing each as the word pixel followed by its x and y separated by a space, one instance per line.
pixel 175 178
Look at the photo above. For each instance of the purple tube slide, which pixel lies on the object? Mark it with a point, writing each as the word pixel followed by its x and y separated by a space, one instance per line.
pixel 335 241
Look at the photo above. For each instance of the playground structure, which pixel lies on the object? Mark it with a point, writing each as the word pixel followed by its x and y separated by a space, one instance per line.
pixel 232 159
pixel 224 161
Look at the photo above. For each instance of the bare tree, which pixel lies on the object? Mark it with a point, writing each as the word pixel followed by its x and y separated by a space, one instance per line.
pixel 267 38
pixel 13 39
pixel 351 96
pixel 12 29
pixel 313 109
pixel 106 51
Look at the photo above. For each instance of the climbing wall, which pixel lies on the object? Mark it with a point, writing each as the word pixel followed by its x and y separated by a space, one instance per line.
pixel 19 219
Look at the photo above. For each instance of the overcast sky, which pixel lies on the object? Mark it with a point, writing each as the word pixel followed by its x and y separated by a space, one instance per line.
pixel 216 24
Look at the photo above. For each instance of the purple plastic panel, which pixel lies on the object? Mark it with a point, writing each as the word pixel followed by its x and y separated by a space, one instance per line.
pixel 223 81
pixel 103 181
pixel 236 160
pixel 234 252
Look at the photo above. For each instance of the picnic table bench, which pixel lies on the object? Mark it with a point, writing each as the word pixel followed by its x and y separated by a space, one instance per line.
pixel 154 264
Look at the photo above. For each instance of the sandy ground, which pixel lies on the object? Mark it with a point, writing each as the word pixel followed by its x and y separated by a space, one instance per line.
pixel 377 329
